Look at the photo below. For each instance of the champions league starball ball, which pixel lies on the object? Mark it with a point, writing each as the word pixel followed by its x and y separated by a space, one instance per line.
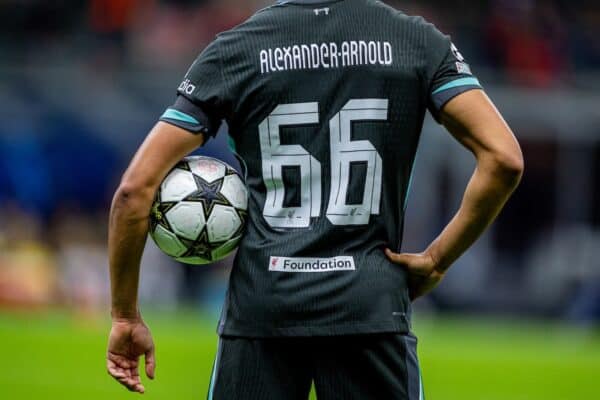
pixel 199 212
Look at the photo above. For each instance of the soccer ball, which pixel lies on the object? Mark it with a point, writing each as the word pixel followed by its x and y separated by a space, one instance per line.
pixel 199 212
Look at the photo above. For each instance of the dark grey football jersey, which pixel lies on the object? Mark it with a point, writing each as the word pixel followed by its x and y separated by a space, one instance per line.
pixel 325 102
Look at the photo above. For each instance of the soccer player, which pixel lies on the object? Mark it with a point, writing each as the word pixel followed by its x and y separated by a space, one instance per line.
pixel 325 102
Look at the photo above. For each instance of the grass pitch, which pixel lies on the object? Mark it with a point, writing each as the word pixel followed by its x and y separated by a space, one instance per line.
pixel 58 356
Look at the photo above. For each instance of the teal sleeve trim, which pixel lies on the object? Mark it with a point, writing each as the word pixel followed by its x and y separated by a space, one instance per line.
pixel 457 83
pixel 179 116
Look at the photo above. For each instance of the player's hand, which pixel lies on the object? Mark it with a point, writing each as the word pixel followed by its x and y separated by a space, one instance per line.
pixel 128 341
pixel 423 275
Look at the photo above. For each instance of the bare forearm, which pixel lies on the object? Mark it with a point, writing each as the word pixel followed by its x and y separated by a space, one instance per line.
pixel 164 146
pixel 127 237
pixel 475 123
pixel 488 190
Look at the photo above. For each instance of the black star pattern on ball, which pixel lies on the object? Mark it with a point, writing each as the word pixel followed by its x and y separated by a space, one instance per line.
pixel 201 247
pixel 158 213
pixel 209 194
pixel 183 165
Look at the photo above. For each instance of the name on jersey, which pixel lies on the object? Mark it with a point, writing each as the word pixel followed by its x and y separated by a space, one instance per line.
pixel 326 56
pixel 290 264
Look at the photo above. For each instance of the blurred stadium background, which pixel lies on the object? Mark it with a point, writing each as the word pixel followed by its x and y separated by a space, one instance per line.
pixel 82 82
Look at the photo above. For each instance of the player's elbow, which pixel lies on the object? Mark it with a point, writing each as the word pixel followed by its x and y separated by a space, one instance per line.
pixel 509 165
pixel 134 197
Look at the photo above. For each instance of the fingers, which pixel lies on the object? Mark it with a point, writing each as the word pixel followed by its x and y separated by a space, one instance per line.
pixel 150 363
pixel 422 275
pixel 419 286
pixel 131 382
pixel 125 371
pixel 128 379
pixel 133 385
pixel 414 263
pixel 115 372
pixel 397 258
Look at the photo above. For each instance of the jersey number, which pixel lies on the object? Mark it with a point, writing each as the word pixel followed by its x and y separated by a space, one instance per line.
pixel 344 152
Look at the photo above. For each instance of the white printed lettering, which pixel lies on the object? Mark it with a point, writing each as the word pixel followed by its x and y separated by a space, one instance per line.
pixel 333 55
pixel 295 265
pixel 314 52
pixel 326 55
pixel 387 53
pixel 264 61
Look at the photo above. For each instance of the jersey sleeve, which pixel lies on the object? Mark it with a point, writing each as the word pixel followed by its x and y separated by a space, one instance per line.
pixel 447 71
pixel 201 103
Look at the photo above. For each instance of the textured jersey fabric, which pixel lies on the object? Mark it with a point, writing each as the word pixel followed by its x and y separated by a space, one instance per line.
pixel 325 103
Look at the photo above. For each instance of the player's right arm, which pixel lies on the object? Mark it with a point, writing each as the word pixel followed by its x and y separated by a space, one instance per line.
pixel 128 228
pixel 194 117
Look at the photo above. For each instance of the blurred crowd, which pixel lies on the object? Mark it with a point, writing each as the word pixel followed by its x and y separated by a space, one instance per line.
pixel 536 43
pixel 81 82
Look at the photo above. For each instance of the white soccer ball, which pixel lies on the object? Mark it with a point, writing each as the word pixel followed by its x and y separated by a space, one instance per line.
pixel 199 212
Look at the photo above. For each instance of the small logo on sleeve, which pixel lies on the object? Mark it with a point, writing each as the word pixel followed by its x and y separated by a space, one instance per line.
pixel 187 87
pixel 463 68
pixel 289 264
pixel 456 53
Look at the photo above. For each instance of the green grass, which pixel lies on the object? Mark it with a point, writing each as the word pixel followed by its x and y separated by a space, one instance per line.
pixel 57 356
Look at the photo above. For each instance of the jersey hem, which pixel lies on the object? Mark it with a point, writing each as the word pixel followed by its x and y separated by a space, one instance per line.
pixel 242 330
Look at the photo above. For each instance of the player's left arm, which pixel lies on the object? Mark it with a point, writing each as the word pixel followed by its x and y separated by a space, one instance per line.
pixel 456 99
pixel 128 228
pixel 476 123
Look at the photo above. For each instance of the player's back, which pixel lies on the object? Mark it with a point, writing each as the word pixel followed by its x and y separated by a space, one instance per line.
pixel 325 102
